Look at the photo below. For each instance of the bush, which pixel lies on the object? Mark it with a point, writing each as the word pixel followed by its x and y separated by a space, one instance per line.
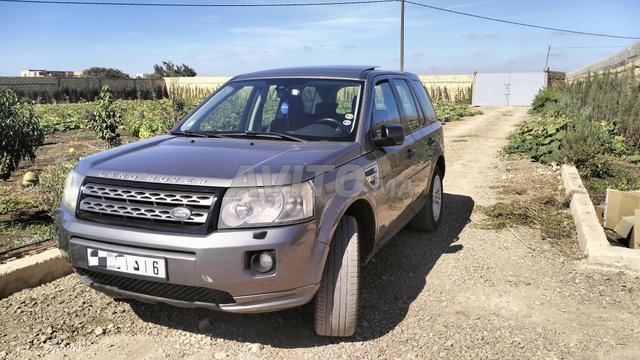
pixel 544 97
pixel 52 184
pixel 21 133
pixel 586 146
pixel 105 119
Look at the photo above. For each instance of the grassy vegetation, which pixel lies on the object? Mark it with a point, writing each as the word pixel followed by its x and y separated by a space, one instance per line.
pixel 454 110
pixel 9 203
pixel 593 123
pixel 532 201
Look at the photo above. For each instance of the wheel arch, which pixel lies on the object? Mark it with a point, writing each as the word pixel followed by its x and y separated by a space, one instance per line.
pixel 441 164
pixel 363 212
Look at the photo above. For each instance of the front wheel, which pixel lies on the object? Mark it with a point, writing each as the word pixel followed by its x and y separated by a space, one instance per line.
pixel 336 305
pixel 428 218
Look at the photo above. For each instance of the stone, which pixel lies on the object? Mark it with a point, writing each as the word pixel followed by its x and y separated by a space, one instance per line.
pixel 204 324
pixel 256 348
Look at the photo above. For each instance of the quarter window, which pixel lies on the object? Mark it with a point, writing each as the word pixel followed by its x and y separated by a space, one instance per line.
pixel 430 113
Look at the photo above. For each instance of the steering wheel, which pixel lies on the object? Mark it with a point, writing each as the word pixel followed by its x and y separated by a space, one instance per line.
pixel 329 121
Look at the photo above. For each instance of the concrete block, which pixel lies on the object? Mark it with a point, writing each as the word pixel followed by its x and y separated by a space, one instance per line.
pixel 591 235
pixel 32 271
pixel 571 181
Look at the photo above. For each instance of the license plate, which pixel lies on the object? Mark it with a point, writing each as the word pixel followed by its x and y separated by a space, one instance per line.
pixel 130 264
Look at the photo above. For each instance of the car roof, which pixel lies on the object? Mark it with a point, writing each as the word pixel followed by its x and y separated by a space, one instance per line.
pixel 344 72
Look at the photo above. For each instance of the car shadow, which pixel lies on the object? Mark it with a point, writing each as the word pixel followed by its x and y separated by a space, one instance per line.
pixel 391 281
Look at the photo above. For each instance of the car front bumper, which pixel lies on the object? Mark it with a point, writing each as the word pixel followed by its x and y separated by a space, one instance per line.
pixel 216 261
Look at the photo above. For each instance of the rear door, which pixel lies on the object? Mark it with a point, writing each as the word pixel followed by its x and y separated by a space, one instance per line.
pixel 426 139
pixel 418 159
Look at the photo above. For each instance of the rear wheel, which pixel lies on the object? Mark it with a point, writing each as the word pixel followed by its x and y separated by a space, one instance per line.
pixel 336 305
pixel 428 218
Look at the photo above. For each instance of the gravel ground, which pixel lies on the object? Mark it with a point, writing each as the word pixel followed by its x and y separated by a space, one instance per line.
pixel 466 291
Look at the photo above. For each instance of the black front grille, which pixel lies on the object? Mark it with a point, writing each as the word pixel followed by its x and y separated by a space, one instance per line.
pixel 163 290
pixel 148 205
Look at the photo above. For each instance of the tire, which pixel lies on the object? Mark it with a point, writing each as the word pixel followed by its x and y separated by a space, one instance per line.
pixel 429 217
pixel 336 305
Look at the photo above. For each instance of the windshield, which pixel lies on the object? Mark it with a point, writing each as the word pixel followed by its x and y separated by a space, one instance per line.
pixel 310 109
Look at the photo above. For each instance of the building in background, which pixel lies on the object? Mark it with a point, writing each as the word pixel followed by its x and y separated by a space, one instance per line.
pixel 49 73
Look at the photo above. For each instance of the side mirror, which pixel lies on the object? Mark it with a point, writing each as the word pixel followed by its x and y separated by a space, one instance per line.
pixel 391 135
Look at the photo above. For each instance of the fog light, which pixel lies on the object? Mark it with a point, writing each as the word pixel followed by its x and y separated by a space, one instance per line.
pixel 263 262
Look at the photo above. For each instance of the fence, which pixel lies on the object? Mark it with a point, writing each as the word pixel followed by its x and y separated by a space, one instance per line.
pixel 626 59
pixel 48 89
pixel 440 87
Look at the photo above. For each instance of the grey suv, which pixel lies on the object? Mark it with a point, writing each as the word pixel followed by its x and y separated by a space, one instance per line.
pixel 271 193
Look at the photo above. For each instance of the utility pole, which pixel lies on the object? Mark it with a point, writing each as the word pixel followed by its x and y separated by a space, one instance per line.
pixel 402 35
pixel 546 64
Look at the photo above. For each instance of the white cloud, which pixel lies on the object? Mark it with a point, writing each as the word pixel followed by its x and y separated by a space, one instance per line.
pixel 480 36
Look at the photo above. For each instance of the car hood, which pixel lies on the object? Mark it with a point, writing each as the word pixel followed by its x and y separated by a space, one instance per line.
pixel 221 162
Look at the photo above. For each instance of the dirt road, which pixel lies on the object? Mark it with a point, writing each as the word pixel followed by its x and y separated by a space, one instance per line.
pixel 464 292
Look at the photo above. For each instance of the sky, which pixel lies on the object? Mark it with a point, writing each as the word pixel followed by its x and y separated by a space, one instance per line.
pixel 230 41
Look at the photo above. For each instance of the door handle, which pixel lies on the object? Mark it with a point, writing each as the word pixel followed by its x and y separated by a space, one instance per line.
pixel 411 153
pixel 431 141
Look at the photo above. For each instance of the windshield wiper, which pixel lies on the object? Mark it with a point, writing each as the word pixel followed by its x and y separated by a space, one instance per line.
pixel 269 135
pixel 195 133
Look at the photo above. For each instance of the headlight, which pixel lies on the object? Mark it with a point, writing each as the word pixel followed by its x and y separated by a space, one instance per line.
pixel 72 190
pixel 252 207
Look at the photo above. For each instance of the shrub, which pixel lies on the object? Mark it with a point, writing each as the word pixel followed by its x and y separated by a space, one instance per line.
pixel 586 146
pixel 52 184
pixel 21 133
pixel 544 97
pixel 105 119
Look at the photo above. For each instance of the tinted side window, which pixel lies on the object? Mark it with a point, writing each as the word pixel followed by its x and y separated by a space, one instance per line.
pixel 385 109
pixel 408 104
pixel 429 112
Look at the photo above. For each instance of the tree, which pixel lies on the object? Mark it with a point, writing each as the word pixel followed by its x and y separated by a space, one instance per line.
pixel 20 133
pixel 168 69
pixel 101 72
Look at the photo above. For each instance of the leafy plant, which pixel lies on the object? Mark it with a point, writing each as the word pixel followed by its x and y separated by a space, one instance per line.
pixel 545 97
pixel 51 184
pixel 540 138
pixel 105 119
pixel 451 111
pixel 21 132
pixel 59 117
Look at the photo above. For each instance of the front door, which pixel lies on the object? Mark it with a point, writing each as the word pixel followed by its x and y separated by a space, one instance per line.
pixel 394 193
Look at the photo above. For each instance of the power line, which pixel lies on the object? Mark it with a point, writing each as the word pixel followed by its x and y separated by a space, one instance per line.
pixel 521 24
pixel 324 3
pixel 589 47
pixel 291 4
